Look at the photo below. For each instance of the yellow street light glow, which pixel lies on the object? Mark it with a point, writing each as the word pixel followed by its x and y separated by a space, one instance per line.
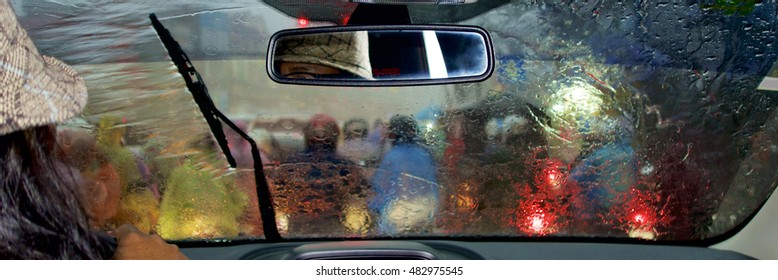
pixel 577 100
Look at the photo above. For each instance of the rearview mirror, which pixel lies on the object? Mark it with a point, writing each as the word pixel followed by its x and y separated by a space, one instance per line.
pixel 380 55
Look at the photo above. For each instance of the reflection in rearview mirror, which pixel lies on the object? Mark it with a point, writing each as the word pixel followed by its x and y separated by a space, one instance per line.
pixel 378 56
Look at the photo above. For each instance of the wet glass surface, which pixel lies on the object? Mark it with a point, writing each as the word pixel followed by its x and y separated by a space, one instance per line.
pixel 602 119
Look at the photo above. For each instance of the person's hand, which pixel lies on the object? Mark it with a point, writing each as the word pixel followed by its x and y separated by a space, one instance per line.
pixel 133 244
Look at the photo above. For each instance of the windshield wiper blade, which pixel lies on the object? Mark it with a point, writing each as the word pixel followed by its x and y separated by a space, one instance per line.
pixel 214 117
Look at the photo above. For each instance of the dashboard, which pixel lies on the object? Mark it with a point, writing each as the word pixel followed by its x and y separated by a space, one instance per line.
pixel 457 250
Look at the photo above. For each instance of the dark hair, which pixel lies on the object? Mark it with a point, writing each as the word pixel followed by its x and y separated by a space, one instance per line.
pixel 403 129
pixel 41 208
pixel 348 123
pixel 330 136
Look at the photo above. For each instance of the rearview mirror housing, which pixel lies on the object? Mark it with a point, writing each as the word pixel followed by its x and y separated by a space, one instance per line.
pixel 395 55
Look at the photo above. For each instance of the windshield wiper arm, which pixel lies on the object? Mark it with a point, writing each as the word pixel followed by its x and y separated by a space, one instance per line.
pixel 214 117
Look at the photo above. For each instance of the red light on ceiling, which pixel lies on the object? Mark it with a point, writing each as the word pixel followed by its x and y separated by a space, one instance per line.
pixel 303 22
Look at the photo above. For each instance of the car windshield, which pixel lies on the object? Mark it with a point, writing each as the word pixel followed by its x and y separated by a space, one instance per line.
pixel 604 119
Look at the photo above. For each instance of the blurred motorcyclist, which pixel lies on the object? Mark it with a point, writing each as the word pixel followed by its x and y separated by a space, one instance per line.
pixel 405 184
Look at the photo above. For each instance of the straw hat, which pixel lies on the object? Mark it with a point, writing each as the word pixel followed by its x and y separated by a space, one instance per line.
pixel 346 51
pixel 36 90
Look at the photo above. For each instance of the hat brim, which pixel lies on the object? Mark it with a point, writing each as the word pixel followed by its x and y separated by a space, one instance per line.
pixel 36 90
pixel 343 66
